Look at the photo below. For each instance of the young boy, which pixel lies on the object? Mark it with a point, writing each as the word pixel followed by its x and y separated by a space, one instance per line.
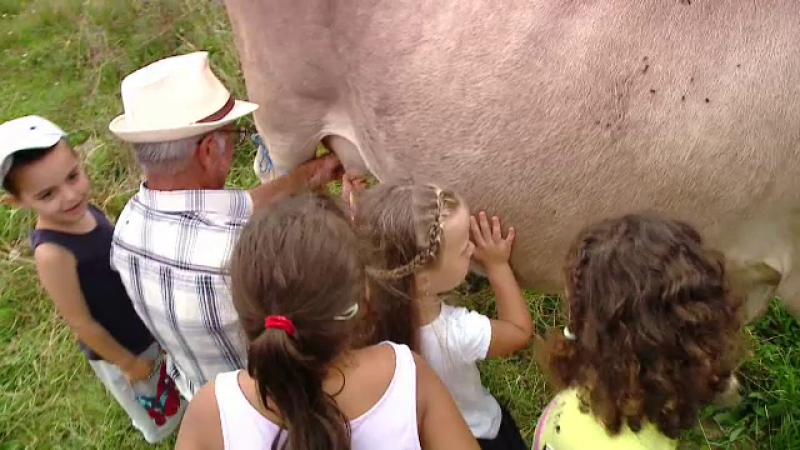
pixel 71 244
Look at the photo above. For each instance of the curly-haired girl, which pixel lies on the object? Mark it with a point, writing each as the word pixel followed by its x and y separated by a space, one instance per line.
pixel 307 387
pixel 653 334
pixel 419 235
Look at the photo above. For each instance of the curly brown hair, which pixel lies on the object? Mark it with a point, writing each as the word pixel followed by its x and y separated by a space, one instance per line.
pixel 656 324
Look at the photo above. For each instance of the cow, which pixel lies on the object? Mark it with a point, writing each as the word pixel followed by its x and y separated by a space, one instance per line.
pixel 552 114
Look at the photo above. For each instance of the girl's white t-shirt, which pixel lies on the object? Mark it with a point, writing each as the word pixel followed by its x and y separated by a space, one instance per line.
pixel 452 344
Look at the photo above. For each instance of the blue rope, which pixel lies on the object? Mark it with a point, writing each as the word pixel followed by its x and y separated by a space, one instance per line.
pixel 265 165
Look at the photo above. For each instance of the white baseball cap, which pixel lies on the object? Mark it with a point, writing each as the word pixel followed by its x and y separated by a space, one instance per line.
pixel 25 133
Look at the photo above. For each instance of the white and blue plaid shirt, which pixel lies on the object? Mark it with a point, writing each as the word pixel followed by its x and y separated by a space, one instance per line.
pixel 171 249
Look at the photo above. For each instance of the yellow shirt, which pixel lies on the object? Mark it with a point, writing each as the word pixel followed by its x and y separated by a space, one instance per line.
pixel 562 426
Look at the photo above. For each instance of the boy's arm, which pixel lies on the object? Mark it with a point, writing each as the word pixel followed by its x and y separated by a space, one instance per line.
pixel 513 328
pixel 59 277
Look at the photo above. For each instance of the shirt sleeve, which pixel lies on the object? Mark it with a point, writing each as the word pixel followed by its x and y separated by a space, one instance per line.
pixel 470 334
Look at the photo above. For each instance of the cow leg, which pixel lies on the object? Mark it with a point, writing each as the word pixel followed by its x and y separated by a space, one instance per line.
pixel 758 283
pixel 759 256
pixel 285 148
pixel 789 293
pixel 788 289
pixel 279 152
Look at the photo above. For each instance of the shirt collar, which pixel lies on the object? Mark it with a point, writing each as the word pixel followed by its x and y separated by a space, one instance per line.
pixel 230 202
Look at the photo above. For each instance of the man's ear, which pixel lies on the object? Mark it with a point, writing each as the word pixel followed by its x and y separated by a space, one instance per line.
pixel 207 154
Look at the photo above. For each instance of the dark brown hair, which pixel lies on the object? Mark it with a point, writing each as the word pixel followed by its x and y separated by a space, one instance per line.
pixel 299 259
pixel 25 158
pixel 401 225
pixel 657 326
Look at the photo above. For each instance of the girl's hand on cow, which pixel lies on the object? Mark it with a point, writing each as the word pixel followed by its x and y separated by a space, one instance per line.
pixel 513 328
pixel 491 248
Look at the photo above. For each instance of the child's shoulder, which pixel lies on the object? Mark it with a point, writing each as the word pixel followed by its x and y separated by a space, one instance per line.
pixel 201 426
pixel 380 350
pixel 382 354
pixel 52 261
pixel 51 254
pixel 374 369
pixel 565 426
pixel 461 316
pixel 466 334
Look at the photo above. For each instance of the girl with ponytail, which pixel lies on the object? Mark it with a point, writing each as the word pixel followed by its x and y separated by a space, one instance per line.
pixel 299 282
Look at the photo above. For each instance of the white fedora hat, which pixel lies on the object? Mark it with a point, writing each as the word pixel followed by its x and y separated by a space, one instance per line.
pixel 175 98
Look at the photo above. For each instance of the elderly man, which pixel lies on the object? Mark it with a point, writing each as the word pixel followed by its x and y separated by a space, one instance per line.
pixel 174 237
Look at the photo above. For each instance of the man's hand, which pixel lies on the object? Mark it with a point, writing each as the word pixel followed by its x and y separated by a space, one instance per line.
pixel 309 176
pixel 318 172
pixel 351 185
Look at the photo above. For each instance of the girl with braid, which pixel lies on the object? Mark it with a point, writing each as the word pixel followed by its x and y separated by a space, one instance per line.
pixel 653 334
pixel 307 385
pixel 420 248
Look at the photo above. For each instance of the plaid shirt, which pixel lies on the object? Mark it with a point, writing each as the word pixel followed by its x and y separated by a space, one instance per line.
pixel 170 249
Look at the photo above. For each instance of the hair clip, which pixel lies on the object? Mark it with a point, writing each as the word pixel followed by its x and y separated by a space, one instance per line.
pixel 279 323
pixel 349 313
pixel 569 335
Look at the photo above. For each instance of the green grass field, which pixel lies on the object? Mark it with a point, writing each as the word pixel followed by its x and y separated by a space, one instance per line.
pixel 64 59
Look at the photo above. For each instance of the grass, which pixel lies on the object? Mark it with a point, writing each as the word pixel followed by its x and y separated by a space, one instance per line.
pixel 64 59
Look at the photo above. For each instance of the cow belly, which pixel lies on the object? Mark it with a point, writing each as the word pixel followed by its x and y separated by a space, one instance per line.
pixel 555 114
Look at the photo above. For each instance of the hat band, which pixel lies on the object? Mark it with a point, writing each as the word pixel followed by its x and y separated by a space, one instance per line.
pixel 226 108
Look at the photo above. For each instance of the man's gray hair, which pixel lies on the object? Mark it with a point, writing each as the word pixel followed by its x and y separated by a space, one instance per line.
pixel 171 156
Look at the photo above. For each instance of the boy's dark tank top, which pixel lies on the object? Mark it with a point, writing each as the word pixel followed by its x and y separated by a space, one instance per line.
pixel 105 295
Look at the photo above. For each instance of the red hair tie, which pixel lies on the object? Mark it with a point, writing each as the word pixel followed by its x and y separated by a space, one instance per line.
pixel 279 323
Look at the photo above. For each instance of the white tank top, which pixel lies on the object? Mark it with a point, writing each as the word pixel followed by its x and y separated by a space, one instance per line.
pixel 390 424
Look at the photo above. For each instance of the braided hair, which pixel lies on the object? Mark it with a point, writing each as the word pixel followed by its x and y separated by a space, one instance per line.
pixel 424 256
pixel 402 224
